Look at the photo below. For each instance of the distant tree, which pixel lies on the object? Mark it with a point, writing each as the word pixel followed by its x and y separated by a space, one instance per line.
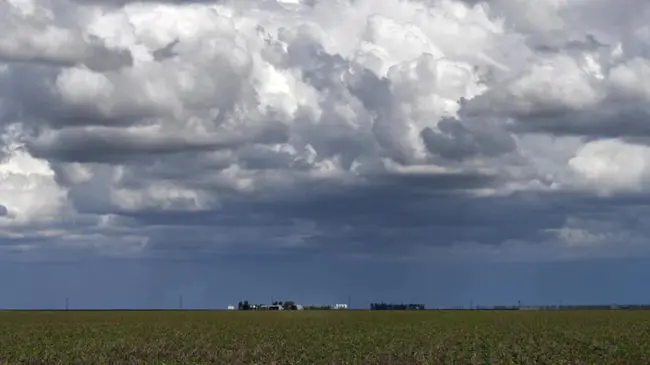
pixel 246 306
pixel 395 306
pixel 240 305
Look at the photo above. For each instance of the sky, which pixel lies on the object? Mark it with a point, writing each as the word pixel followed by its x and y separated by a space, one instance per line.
pixel 427 151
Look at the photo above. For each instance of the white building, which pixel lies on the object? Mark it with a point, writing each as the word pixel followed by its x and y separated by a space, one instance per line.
pixel 231 307
pixel 340 306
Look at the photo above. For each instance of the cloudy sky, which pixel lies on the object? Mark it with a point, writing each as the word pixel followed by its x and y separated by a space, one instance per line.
pixel 436 151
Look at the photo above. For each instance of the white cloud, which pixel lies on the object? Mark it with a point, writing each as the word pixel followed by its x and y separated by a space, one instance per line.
pixel 609 166
pixel 28 190
pixel 150 108
pixel 628 79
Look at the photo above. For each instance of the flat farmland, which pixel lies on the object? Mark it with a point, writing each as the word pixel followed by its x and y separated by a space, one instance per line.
pixel 326 337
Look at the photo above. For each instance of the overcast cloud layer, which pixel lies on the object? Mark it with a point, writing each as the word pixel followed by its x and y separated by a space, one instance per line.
pixel 505 129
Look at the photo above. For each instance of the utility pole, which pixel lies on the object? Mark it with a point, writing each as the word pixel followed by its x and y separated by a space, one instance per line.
pixel 180 302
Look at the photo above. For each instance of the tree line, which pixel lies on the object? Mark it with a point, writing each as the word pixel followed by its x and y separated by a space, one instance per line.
pixel 391 306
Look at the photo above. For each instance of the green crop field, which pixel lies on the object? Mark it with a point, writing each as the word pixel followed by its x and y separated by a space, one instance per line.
pixel 313 337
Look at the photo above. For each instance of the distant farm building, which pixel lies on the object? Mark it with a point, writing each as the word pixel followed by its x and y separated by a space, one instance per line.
pixel 287 305
pixel 340 306
pixel 231 307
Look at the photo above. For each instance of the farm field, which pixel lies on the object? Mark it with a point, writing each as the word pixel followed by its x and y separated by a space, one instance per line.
pixel 314 337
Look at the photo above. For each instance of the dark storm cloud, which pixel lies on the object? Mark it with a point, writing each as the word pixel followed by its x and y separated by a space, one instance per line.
pixel 385 224
pixel 609 121
pixel 116 145
pixel 391 214
pixel 264 126
pixel 101 59
pixel 456 142
pixel 590 43
pixel 375 224
pixel 165 52
pixel 98 59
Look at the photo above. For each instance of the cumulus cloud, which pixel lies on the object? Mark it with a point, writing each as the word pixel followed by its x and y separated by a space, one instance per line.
pixel 390 127
pixel 42 33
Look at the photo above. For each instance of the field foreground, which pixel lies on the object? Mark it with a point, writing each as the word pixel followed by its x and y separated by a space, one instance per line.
pixel 354 337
